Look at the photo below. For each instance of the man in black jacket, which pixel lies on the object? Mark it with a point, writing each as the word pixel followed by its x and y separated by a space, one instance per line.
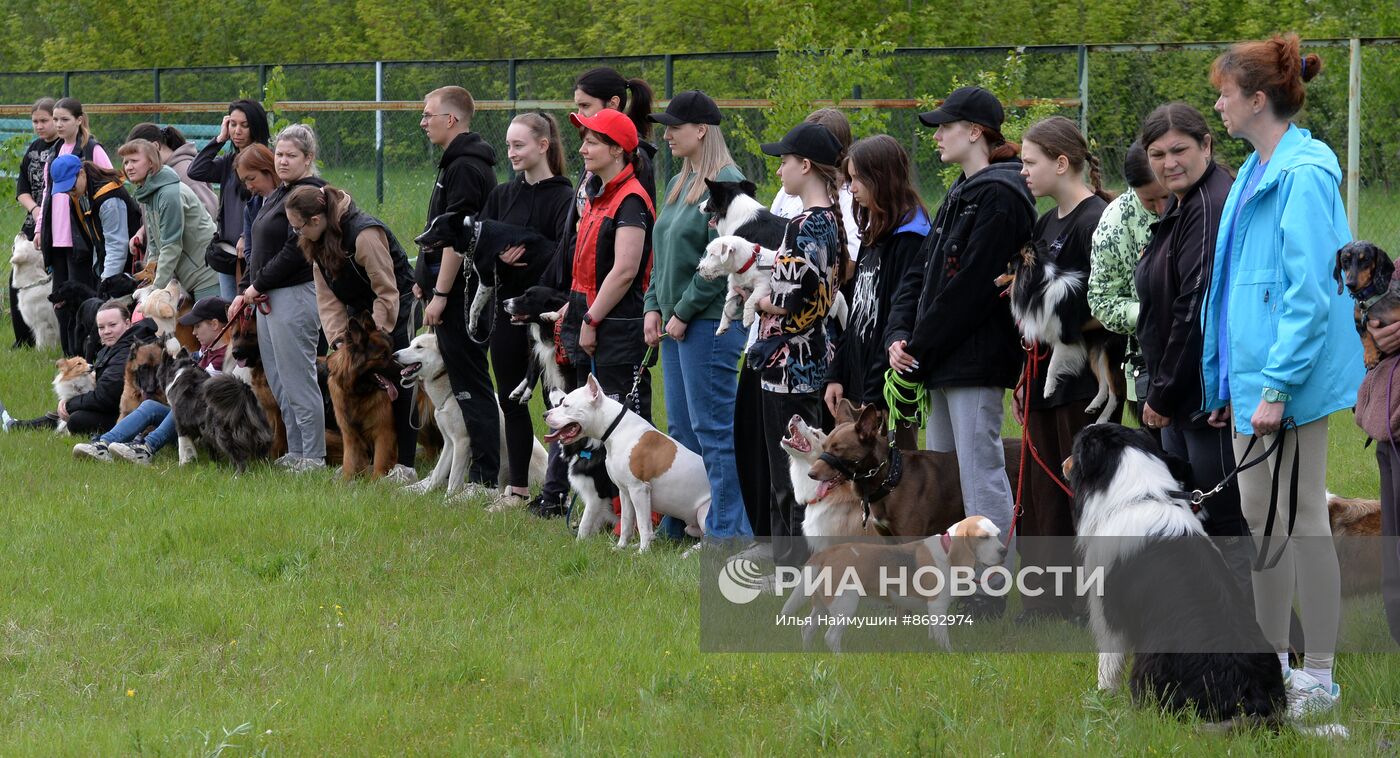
pixel 465 176
pixel 95 412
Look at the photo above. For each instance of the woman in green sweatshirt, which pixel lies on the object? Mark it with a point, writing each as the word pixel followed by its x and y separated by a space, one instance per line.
pixel 700 367
pixel 178 226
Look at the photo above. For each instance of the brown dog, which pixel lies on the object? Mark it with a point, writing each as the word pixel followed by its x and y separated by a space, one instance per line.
pixel 142 381
pixel 363 385
pixel 914 493
pixel 1359 559
pixel 1367 272
pixel 243 348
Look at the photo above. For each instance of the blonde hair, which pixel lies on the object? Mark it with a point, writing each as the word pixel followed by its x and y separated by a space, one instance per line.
pixel 144 147
pixel 714 156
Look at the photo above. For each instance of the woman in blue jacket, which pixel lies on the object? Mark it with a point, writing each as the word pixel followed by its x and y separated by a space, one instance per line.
pixel 1279 341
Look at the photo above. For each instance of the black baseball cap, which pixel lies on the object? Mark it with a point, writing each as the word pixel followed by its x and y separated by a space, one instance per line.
pixel 213 307
pixel 689 107
pixel 807 140
pixel 972 104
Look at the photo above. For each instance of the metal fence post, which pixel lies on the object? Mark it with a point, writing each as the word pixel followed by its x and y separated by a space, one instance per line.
pixel 379 133
pixel 511 94
pixel 155 80
pixel 262 82
pixel 67 83
pixel 670 90
pixel 1354 140
pixel 1084 90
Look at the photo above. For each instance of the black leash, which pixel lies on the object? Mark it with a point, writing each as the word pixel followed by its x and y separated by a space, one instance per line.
pixel 1197 497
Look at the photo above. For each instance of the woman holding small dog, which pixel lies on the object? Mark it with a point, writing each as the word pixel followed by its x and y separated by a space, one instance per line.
pixel 792 351
pixel 893 226
pixel 1280 344
pixel 358 267
pixel 1171 278
pixel 177 225
pixel 700 367
pixel 1056 160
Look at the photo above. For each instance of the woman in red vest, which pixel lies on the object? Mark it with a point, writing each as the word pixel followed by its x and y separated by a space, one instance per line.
pixel 602 330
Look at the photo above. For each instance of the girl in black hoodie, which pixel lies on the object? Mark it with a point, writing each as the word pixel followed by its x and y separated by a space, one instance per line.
pixel 539 198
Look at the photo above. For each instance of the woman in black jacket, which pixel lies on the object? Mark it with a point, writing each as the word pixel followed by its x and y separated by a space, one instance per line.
pixel 539 198
pixel 245 124
pixel 280 275
pixel 949 326
pixel 893 226
pixel 1172 278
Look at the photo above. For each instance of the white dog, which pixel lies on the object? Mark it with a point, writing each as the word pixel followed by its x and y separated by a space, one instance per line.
pixel 833 510
pixel 749 268
pixel 34 285
pixel 422 362
pixel 651 470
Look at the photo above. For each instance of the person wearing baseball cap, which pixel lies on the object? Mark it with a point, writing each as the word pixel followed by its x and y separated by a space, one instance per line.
pixel 102 226
pixel 207 320
pixel 807 140
pixel 949 328
pixel 698 362
pixel 602 330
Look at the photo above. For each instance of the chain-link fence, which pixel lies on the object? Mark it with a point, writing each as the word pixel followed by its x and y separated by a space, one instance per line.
pixel 367 113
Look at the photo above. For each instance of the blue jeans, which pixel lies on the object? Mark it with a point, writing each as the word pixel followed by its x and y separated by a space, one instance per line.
pixel 228 286
pixel 701 374
pixel 148 413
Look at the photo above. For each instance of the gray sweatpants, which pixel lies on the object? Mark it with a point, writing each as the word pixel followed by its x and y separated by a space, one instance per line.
pixel 287 342
pixel 1308 567
pixel 967 421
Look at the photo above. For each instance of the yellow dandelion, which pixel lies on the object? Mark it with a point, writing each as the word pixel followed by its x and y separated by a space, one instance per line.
pixel 233 643
pixel 131 693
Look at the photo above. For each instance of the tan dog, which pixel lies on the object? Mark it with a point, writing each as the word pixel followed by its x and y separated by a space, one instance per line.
pixel 833 511
pixel 1359 559
pixel 74 378
pixel 142 377
pixel 969 543
pixel 165 307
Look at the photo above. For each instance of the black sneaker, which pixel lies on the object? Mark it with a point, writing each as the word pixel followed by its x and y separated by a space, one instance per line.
pixel 983 607
pixel 546 508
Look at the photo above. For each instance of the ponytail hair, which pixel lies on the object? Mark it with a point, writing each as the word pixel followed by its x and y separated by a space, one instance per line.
pixel 1274 66
pixel 543 126
pixel 999 148
pixel 307 201
pixel 168 136
pixel 1057 136
pixel 605 83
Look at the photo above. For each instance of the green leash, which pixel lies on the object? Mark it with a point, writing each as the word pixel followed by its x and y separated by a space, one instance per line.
pixel 901 393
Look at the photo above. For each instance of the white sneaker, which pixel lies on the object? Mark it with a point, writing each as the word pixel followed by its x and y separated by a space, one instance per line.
pixel 139 454
pixel 401 474
pixel 6 420
pixel 511 501
pixel 287 461
pixel 471 494
pixel 1306 695
pixel 94 450
pixel 304 465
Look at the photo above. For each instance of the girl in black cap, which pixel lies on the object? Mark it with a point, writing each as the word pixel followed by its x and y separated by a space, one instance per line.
pixel 792 353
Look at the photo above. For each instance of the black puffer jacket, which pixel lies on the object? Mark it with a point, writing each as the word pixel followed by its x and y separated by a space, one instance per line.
pixel 957 325
pixel 110 368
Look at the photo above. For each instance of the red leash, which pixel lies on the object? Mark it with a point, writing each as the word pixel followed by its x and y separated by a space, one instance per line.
pixel 1027 379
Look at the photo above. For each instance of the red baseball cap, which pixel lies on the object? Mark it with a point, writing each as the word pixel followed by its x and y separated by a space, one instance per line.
pixel 614 124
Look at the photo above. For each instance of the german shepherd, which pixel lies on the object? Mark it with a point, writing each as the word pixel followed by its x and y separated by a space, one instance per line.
pixel 142 380
pixel 363 385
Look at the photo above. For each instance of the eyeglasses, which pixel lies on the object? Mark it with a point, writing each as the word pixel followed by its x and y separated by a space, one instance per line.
pixel 430 116
pixel 296 230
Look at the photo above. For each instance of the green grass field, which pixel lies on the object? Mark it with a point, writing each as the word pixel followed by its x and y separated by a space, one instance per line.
pixel 181 611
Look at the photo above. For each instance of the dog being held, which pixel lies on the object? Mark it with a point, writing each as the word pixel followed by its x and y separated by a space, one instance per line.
pixel 972 542
pixel 74 378
pixel 220 411
pixel 537 309
pixel 1367 272
pixel 481 242
pixel 833 511
pixel 652 471
pixel 142 380
pixel 165 306
pixel 734 211
pixel 34 285
pixel 1043 300
pixel 912 493
pixel 750 269
pixel 1167 597
pixel 421 362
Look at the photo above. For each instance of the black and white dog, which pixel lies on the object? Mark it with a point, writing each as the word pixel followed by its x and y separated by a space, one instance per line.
pixel 733 210
pixel 588 478
pixel 220 411
pixel 481 242
pixel 1168 597
pixel 1043 302
pixel 537 309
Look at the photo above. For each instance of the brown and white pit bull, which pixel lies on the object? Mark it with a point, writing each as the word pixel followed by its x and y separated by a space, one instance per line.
pixel 911 493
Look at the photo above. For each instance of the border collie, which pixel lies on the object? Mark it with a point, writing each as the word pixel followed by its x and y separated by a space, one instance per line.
pixel 1167 597
pixel 537 309
pixel 733 210
pixel 481 242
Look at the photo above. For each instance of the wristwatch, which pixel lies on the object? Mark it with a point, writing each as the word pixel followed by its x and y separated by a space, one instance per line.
pixel 588 319
pixel 1272 395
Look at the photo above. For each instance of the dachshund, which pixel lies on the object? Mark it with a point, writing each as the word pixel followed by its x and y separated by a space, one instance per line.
pixel 1366 270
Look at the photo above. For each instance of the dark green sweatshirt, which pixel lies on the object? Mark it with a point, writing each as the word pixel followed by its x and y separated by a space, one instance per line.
pixel 678 242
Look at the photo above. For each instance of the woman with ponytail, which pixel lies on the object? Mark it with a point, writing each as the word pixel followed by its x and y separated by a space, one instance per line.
pixel 359 268
pixel 1279 343
pixel 1056 161
pixel 56 219
pixel 538 198
pixel 603 87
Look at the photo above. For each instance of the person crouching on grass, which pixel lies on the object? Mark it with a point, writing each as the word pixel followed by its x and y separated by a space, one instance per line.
pixel 207 320
pixel 359 267
pixel 791 353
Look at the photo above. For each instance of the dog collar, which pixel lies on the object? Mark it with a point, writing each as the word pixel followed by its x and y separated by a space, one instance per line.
pixel 893 474
pixel 752 260
pixel 1373 299
pixel 49 277
pixel 613 425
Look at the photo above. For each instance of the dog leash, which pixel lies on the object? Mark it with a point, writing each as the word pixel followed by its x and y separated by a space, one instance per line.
pixel 901 393
pixel 1032 370
pixel 1197 498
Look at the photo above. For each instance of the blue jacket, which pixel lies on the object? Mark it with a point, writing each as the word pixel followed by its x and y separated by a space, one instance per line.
pixel 1287 326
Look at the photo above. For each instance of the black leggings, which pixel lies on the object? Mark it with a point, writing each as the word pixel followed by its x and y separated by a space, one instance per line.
pixel 510 359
